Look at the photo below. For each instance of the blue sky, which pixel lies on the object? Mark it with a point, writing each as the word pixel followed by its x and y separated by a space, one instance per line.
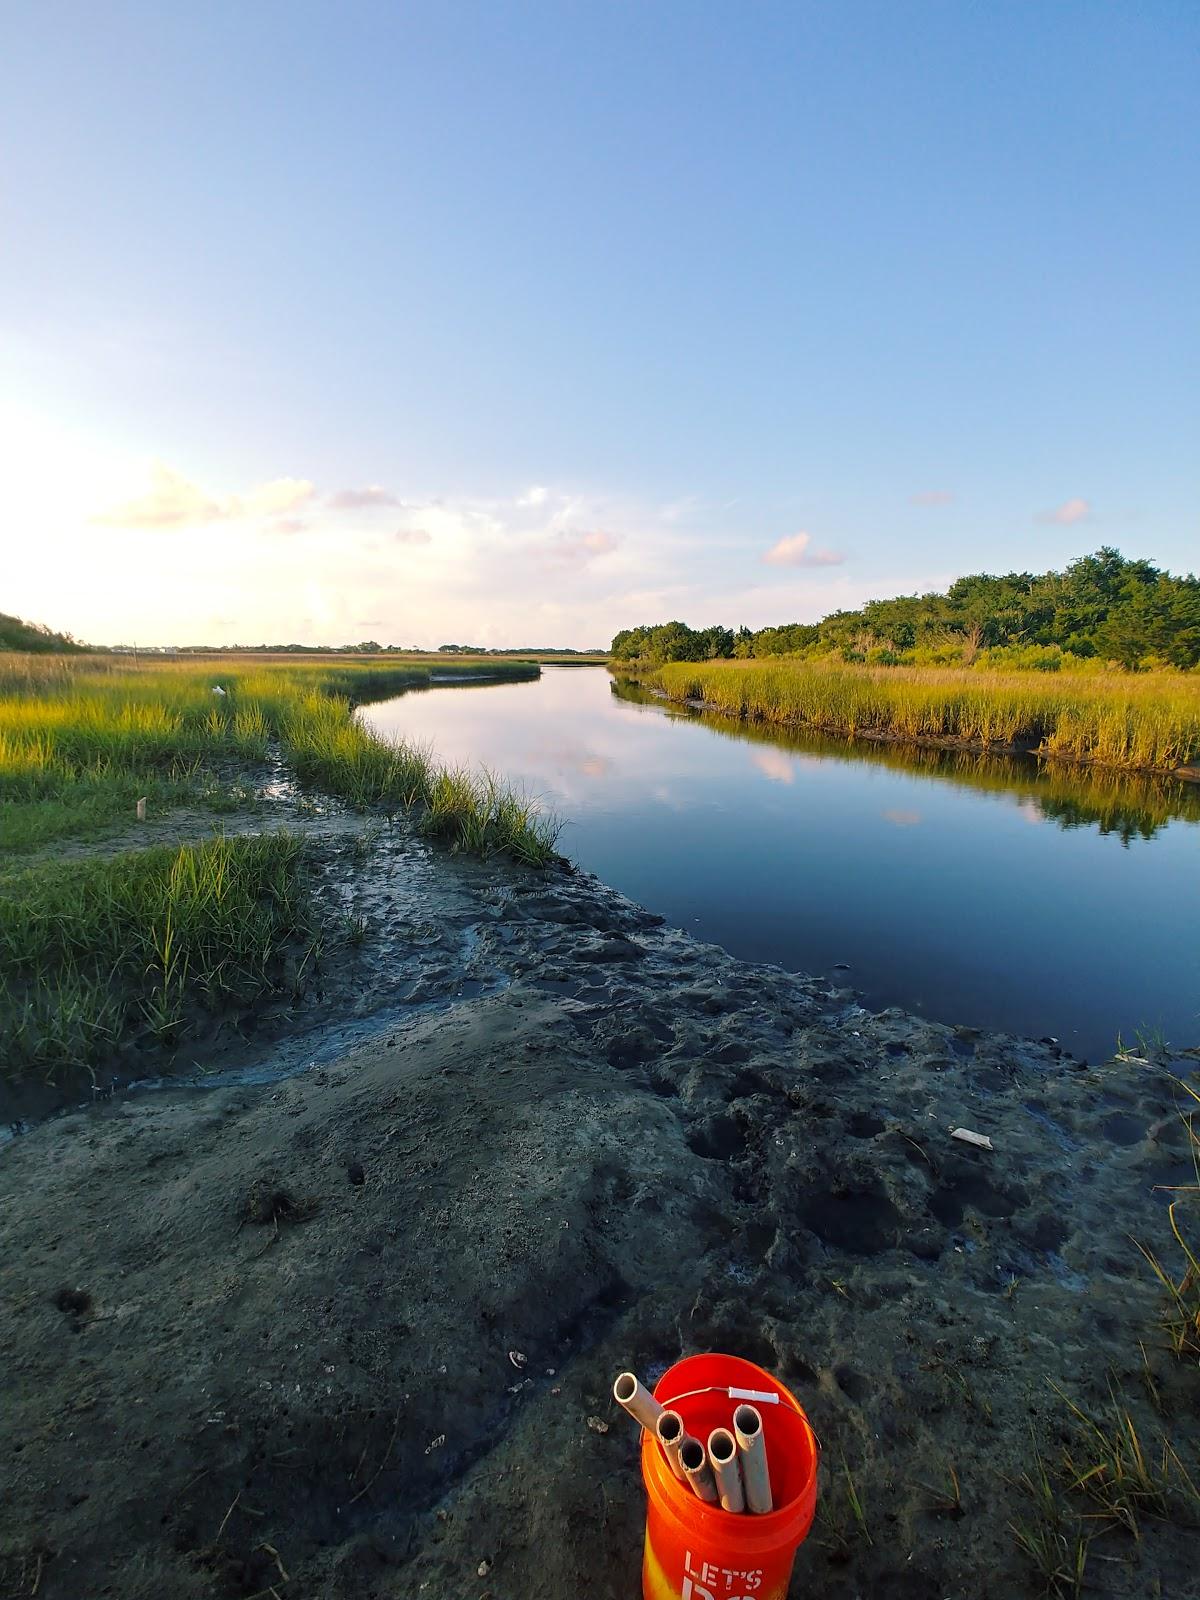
pixel 522 323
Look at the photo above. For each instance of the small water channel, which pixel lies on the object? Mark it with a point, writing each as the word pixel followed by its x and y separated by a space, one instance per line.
pixel 986 891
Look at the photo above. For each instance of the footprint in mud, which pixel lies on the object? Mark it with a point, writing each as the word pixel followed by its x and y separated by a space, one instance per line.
pixel 73 1302
pixel 730 1054
pixel 716 1139
pixel 862 1125
pixel 963 1189
pixel 1046 1232
pixel 861 1221
pixel 852 1384
pixel 750 1081
pixel 1123 1129
pixel 633 1050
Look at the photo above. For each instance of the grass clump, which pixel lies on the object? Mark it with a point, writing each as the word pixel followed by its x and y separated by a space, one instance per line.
pixel 140 942
pixel 1150 720
pixel 1051 1537
pixel 474 812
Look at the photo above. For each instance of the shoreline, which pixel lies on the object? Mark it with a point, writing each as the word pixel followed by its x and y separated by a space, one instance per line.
pixel 1180 774
pixel 359 1323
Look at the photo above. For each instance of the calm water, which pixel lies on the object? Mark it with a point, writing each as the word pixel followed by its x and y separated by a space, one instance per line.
pixel 976 890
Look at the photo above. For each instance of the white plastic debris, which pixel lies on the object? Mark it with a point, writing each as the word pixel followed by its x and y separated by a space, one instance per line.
pixel 979 1140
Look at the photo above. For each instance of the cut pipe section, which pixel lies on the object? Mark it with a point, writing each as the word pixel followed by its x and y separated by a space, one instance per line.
pixel 722 1452
pixel 631 1393
pixel 671 1434
pixel 752 1456
pixel 697 1470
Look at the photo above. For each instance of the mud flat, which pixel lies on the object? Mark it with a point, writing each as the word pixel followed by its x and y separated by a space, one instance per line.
pixel 343 1323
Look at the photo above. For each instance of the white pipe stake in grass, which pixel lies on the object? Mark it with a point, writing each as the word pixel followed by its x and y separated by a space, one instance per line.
pixel 752 1453
pixel 697 1470
pixel 722 1452
pixel 671 1434
pixel 141 809
pixel 631 1393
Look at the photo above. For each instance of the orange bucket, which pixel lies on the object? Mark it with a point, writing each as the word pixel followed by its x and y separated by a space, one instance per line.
pixel 696 1551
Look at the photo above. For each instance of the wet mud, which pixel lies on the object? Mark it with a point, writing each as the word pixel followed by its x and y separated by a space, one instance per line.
pixel 343 1322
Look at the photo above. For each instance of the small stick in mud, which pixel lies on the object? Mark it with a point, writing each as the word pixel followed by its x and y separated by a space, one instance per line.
pixel 722 1452
pixel 630 1393
pixel 752 1454
pixel 699 1474
pixel 227 1516
pixel 671 1434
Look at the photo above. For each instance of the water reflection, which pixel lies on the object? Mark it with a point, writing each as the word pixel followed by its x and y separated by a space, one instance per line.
pixel 978 889
pixel 1130 805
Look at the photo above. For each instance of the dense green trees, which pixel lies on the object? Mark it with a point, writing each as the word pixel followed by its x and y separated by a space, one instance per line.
pixel 33 636
pixel 1102 606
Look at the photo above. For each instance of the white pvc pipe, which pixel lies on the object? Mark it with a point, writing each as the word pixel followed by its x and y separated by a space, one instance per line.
pixel 722 1452
pixel 752 1454
pixel 697 1470
pixel 671 1434
pixel 630 1393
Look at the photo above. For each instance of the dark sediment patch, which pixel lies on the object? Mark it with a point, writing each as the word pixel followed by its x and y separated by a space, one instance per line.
pixel 350 1322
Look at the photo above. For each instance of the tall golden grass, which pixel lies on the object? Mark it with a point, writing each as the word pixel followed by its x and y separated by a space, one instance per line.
pixel 1144 720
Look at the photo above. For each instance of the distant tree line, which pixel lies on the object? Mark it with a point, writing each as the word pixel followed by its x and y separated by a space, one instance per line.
pixel 34 637
pixel 516 650
pixel 1102 607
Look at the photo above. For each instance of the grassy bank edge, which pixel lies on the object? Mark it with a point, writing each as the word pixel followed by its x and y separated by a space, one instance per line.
pixel 80 741
pixel 1147 723
pixel 132 947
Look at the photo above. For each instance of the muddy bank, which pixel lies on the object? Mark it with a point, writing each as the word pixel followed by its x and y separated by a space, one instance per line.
pixel 350 1332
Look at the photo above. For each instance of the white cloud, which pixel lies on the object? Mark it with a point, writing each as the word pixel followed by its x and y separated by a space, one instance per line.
pixel 572 570
pixel 581 547
pixel 1074 510
pixel 173 501
pixel 273 499
pixel 537 495
pixel 793 551
pixel 362 499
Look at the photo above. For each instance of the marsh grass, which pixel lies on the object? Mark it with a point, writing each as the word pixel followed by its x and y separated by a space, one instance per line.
pixel 841 1515
pixel 1122 1476
pixel 1181 1312
pixel 1127 803
pixel 80 743
pixel 1143 720
pixel 473 811
pixel 135 946
pixel 97 950
pixel 1050 1536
